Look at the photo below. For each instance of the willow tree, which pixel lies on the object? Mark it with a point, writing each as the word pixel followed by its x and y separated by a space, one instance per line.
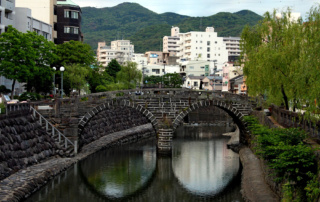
pixel 273 59
pixel 129 74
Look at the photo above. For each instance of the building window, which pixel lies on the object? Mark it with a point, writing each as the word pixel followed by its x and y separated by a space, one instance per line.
pixel 195 84
pixel 208 49
pixel 71 30
pixel 208 55
pixel 208 43
pixel 191 67
pixel 74 15
pixel 66 14
pixel 215 42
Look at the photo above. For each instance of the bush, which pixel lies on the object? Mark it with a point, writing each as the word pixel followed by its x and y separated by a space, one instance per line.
pixel 3 108
pixel 101 88
pixel 31 96
pixel 291 160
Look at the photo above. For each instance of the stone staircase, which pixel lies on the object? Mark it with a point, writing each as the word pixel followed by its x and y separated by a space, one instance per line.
pixel 66 147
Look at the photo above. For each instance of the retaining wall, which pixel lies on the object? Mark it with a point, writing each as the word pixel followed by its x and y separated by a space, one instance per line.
pixel 22 143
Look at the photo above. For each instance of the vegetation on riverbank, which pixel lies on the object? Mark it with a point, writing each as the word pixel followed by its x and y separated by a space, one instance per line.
pixel 293 163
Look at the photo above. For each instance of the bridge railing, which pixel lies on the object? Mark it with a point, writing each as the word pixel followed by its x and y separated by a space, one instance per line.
pixel 54 131
pixel 158 92
pixel 293 119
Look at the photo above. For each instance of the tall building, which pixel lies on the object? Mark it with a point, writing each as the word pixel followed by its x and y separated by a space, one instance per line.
pixel 171 43
pixel 7 12
pixel 233 48
pixel 68 25
pixel 25 22
pixel 203 46
pixel 42 10
pixel 121 50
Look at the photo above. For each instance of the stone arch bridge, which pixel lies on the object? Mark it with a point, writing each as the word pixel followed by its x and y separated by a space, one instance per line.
pixel 164 108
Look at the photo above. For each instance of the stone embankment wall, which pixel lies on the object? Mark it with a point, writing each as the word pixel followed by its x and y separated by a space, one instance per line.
pixel 22 143
pixel 110 121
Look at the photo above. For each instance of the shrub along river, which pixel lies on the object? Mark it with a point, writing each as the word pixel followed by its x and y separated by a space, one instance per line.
pixel 201 168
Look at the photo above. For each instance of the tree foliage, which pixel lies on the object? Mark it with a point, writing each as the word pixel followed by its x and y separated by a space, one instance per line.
pixel 76 74
pixel 172 80
pixel 113 68
pixel 75 52
pixel 129 75
pixel 17 56
pixel 280 60
pixel 41 79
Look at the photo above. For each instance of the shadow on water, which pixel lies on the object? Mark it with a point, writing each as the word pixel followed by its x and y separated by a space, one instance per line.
pixel 200 169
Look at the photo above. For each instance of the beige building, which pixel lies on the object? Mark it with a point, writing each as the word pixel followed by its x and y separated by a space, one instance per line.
pixel 121 50
pixel 171 43
pixel 43 10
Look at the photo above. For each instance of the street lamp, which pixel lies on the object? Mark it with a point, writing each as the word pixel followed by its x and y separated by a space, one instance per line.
pixel 54 81
pixel 62 70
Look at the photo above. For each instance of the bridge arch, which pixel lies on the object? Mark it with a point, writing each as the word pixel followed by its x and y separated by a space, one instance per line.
pixel 115 103
pixel 236 114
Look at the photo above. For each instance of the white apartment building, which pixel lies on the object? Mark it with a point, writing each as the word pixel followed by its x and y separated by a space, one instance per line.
pixel 42 10
pixel 121 50
pixel 195 68
pixel 233 48
pixel 25 22
pixel 205 46
pixel 7 12
pixel 171 43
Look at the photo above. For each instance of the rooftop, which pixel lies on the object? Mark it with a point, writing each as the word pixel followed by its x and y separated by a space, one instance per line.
pixel 67 2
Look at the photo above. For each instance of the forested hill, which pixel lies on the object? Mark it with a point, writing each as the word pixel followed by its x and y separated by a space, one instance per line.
pixel 146 28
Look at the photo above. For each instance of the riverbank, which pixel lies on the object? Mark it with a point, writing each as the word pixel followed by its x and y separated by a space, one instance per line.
pixel 253 184
pixel 28 180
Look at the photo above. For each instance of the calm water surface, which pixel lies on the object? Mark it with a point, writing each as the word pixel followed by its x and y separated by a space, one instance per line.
pixel 201 169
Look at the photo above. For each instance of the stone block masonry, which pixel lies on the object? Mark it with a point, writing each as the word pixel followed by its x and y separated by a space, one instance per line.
pixel 23 143
pixel 20 185
pixel 110 121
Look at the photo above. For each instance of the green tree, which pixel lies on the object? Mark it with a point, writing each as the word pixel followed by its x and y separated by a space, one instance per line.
pixel 152 79
pixel 113 68
pixel 272 58
pixel 98 77
pixel 76 75
pixel 17 56
pixel 129 75
pixel 75 52
pixel 4 90
pixel 172 80
pixel 41 79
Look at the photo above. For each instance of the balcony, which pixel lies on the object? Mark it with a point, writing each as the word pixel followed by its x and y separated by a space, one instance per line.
pixel 9 6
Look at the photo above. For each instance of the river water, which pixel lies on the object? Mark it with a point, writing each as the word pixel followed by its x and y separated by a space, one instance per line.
pixel 201 168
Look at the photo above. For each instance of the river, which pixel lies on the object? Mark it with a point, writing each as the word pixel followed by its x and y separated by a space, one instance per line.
pixel 201 168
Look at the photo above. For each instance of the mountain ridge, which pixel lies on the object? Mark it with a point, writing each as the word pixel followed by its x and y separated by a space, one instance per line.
pixel 146 28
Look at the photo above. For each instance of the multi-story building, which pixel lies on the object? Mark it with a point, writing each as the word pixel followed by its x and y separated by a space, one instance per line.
pixel 233 48
pixel 194 68
pixel 121 50
pixel 205 46
pixel 68 25
pixel 171 43
pixel 25 22
pixel 7 12
pixel 44 10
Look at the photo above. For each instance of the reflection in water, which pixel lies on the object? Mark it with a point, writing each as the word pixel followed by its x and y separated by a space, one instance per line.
pixel 120 172
pixel 204 166
pixel 201 169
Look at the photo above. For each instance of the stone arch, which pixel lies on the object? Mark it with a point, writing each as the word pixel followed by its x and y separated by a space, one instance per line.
pixel 120 103
pixel 231 110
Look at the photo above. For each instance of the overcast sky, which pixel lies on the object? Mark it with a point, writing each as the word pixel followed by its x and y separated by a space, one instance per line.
pixel 209 7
